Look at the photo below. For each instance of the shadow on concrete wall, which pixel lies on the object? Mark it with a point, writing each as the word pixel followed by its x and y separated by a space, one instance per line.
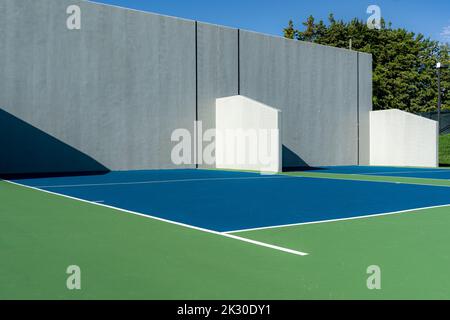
pixel 27 152
pixel 293 162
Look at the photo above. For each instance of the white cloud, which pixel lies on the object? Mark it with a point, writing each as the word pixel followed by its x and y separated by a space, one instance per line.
pixel 445 34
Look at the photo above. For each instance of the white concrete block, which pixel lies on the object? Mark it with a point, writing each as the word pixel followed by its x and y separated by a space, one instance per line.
pixel 247 135
pixel 399 138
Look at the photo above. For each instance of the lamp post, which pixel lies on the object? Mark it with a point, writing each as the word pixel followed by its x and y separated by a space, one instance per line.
pixel 439 66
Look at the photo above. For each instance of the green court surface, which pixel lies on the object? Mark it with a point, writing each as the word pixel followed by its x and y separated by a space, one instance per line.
pixel 125 256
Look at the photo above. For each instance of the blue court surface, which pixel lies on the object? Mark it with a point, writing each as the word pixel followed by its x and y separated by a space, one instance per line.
pixel 230 201
pixel 426 173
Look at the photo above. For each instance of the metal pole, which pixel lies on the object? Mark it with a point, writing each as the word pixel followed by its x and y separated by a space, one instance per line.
pixel 439 99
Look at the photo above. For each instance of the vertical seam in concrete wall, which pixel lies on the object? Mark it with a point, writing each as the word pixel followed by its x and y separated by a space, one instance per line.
pixel 196 98
pixel 239 60
pixel 357 108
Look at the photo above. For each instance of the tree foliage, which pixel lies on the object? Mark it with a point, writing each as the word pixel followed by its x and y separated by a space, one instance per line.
pixel 404 73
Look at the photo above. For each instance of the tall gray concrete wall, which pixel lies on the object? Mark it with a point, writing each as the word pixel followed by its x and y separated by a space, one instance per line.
pixel 365 106
pixel 114 90
pixel 316 89
pixel 217 71
pixel 109 96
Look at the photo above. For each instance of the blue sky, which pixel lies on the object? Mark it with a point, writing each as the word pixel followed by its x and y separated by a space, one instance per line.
pixel 430 17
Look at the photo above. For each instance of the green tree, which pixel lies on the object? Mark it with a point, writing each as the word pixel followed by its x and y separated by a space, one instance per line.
pixel 404 74
pixel 289 32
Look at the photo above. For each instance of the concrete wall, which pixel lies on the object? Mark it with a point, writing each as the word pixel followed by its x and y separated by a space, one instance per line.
pixel 398 138
pixel 247 135
pixel 364 105
pixel 109 96
pixel 315 87
pixel 114 90
pixel 217 72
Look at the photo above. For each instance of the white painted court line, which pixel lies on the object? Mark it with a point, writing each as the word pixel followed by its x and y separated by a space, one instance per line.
pixel 398 172
pixel 361 179
pixel 159 182
pixel 337 220
pixel 258 243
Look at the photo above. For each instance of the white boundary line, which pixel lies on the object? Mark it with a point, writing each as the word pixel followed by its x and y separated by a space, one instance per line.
pixel 159 182
pixel 337 220
pixel 258 243
pixel 279 176
pixel 399 172
pixel 361 179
